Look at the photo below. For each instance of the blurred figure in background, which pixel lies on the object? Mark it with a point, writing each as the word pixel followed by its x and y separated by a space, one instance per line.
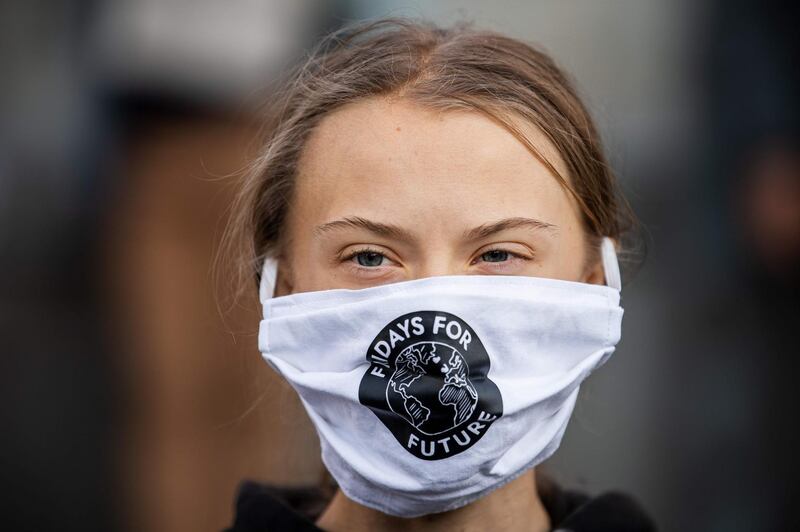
pixel 130 403
pixel 746 318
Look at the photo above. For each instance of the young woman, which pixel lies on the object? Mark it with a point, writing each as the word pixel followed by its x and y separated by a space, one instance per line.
pixel 433 225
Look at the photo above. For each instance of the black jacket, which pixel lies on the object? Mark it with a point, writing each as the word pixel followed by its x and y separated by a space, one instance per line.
pixel 261 508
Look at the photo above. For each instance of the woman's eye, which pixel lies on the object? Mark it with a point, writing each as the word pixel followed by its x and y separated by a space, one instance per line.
pixel 369 259
pixel 495 255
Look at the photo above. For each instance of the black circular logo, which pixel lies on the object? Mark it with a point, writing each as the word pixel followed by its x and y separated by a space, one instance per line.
pixel 427 382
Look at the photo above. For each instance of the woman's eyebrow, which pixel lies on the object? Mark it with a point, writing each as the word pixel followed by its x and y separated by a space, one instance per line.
pixel 488 229
pixel 387 230
pixel 394 231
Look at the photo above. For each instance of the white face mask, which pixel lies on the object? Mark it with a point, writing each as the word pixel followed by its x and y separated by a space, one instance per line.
pixel 428 394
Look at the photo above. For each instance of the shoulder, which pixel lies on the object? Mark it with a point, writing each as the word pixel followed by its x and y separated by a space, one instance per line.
pixel 576 511
pixel 261 507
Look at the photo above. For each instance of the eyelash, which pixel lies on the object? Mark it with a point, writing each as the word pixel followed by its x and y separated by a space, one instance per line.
pixel 350 256
pixel 510 253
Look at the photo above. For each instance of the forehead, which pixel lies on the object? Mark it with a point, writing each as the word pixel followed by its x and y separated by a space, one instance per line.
pixel 395 157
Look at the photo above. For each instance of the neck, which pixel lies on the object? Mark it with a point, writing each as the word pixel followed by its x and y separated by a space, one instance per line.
pixel 513 507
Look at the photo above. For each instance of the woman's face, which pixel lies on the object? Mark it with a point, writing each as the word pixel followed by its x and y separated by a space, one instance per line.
pixel 389 191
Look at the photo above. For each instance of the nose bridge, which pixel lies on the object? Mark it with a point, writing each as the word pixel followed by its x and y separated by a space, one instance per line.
pixel 436 259
pixel 438 249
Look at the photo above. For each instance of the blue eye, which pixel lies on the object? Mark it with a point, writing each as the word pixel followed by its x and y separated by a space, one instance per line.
pixel 369 259
pixel 495 255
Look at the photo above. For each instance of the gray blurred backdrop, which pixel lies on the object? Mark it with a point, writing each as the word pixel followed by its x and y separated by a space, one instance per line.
pixel 129 404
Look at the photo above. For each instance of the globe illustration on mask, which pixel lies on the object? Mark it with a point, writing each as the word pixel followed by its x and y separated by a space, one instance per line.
pixel 430 387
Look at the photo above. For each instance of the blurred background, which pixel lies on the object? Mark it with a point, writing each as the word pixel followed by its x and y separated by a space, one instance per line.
pixel 129 404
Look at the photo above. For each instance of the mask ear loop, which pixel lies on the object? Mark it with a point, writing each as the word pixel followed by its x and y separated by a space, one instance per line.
pixel 610 264
pixel 269 272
